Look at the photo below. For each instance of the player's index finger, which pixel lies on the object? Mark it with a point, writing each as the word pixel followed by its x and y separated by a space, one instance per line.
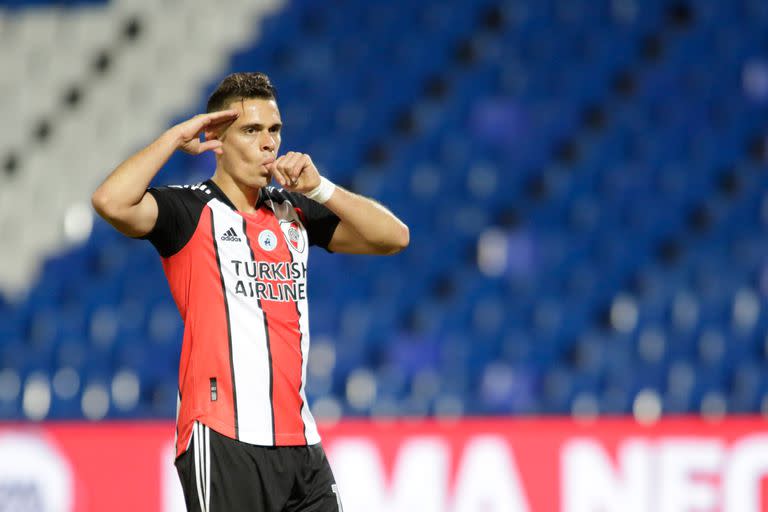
pixel 221 115
pixel 218 119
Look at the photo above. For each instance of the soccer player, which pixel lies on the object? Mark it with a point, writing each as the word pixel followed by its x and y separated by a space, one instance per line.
pixel 234 251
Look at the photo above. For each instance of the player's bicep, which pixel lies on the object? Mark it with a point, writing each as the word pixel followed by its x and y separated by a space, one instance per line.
pixel 138 220
pixel 348 241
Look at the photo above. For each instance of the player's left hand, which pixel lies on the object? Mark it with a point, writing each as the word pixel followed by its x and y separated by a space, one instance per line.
pixel 295 172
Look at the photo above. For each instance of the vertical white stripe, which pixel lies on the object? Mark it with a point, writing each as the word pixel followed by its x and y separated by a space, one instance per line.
pixel 250 356
pixel 335 490
pixel 198 454
pixel 313 436
pixel 207 468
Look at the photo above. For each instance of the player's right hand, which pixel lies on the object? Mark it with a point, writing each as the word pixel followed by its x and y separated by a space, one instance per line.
pixel 188 132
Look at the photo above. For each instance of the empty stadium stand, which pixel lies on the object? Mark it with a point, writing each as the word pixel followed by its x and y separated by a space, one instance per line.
pixel 584 182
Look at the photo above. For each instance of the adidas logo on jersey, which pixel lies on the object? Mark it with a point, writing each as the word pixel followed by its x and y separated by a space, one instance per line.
pixel 230 236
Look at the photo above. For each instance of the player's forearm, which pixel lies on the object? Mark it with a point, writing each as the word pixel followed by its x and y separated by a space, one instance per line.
pixel 375 224
pixel 128 183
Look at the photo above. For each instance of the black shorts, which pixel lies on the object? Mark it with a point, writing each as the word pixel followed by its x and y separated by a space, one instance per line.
pixel 221 474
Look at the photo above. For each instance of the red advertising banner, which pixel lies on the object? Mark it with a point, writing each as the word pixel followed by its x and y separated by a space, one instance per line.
pixel 470 465
pixel 83 467
pixel 680 465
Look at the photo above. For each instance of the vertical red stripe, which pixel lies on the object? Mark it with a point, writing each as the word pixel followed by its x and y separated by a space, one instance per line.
pixel 285 342
pixel 207 306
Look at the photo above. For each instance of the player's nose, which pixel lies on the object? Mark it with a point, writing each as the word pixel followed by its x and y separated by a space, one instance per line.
pixel 267 142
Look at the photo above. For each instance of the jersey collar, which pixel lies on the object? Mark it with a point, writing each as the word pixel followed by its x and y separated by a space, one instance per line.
pixel 221 196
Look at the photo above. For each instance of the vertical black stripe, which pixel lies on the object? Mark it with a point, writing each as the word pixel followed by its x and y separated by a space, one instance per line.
pixel 229 326
pixel 178 411
pixel 266 335
pixel 203 455
pixel 198 471
pixel 206 466
pixel 271 372
pixel 206 463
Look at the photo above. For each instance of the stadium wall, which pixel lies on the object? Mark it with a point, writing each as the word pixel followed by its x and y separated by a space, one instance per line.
pixel 674 465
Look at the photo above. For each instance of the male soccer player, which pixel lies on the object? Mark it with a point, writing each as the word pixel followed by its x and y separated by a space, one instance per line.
pixel 234 251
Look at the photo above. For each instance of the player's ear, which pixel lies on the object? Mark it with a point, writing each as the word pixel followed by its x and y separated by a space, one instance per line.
pixel 216 131
pixel 212 134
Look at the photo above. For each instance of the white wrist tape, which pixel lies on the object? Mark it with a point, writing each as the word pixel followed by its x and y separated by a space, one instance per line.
pixel 323 191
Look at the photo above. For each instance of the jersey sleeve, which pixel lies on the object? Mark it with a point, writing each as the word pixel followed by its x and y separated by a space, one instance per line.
pixel 320 221
pixel 178 212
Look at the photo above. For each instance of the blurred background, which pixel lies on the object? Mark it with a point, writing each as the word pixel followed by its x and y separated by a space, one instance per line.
pixel 584 181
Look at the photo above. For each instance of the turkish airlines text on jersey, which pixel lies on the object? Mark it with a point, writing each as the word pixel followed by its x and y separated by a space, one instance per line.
pixel 676 465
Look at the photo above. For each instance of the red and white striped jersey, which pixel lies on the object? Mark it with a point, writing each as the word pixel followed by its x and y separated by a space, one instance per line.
pixel 239 281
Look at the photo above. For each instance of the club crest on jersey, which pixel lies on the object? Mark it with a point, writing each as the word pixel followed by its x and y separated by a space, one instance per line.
pixel 267 240
pixel 293 235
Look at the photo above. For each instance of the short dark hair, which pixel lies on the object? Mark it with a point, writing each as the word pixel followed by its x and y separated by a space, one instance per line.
pixel 241 86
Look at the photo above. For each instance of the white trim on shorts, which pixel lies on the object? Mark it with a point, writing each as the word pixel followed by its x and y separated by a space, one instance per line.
pixel 202 436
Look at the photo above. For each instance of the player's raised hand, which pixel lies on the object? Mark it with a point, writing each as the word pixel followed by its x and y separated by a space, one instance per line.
pixel 189 131
pixel 295 172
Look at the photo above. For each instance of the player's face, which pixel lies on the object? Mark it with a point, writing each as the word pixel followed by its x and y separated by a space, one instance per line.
pixel 251 142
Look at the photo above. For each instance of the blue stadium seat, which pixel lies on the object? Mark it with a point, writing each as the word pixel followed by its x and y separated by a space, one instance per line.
pixel 620 157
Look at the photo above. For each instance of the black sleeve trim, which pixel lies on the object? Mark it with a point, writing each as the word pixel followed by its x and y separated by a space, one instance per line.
pixel 178 212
